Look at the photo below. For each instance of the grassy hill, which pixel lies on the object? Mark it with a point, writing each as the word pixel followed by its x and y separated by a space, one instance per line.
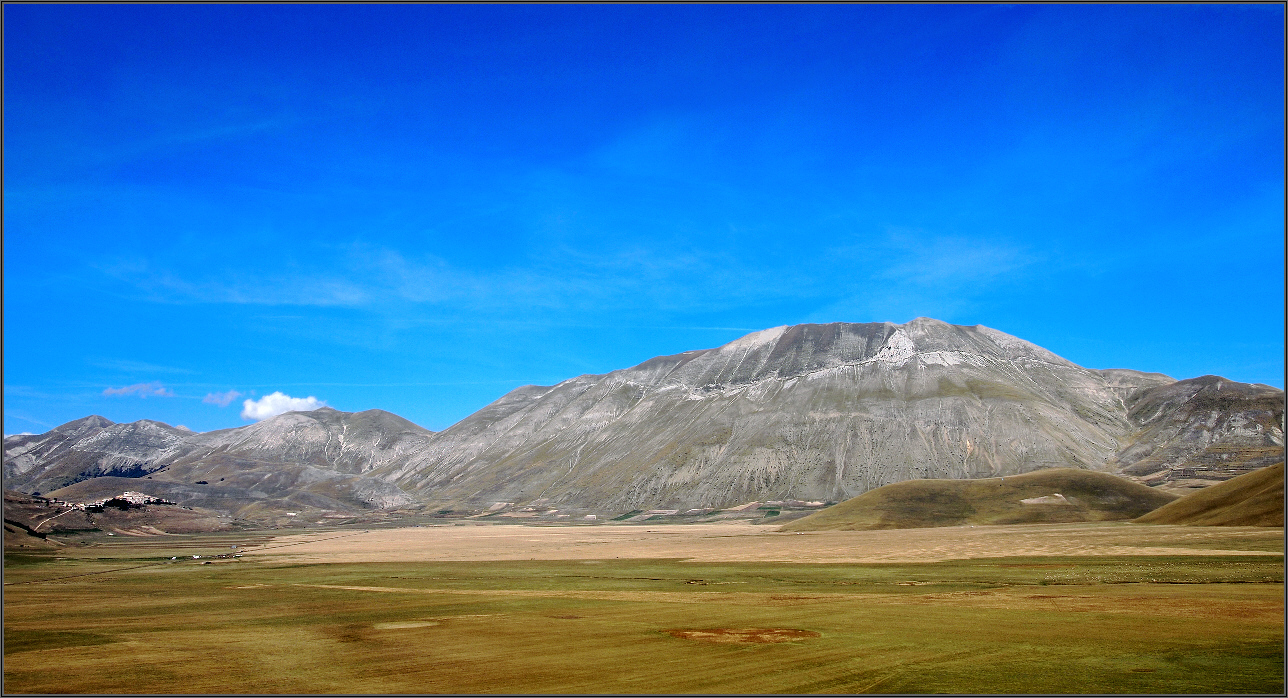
pixel 1253 499
pixel 1056 495
pixel 29 520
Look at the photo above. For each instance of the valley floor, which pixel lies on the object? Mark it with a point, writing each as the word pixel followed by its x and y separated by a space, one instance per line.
pixel 717 608
pixel 742 541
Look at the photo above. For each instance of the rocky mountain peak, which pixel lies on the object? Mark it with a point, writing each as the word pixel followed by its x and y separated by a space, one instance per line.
pixel 794 351
pixel 84 425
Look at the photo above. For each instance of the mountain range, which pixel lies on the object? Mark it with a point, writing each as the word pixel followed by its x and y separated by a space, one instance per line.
pixel 808 412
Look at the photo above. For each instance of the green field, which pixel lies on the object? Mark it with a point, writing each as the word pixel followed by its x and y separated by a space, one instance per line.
pixel 123 618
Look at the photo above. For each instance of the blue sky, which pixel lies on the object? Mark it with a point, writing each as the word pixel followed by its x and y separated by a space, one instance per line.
pixel 420 207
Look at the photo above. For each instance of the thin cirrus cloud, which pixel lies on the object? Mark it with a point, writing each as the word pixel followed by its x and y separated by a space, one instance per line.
pixel 128 366
pixel 221 399
pixel 567 281
pixel 143 390
pixel 165 286
pixel 278 403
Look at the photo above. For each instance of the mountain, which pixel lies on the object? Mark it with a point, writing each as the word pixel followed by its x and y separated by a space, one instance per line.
pixel 812 412
pixel 1057 495
pixel 28 453
pixel 299 460
pixel 1205 428
pixel 87 448
pixel 808 412
pixel 1252 499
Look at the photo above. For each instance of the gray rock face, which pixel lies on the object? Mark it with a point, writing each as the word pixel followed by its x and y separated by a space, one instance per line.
pixel 26 453
pixel 297 460
pixel 87 448
pixel 346 442
pixel 809 412
pixel 1206 428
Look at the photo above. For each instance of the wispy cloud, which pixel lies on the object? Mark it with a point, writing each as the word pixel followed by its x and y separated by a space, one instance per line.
pixel 237 287
pixel 911 272
pixel 137 366
pixel 222 399
pixel 143 390
pixel 563 280
pixel 937 261
pixel 23 416
pixel 277 403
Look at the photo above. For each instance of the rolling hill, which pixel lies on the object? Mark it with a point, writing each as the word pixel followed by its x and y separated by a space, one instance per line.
pixel 1059 495
pixel 1254 499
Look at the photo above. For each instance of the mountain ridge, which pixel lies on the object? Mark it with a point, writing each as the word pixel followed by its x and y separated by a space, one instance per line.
pixel 787 356
pixel 811 412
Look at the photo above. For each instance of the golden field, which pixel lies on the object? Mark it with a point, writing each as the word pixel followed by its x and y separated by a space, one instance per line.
pixel 708 608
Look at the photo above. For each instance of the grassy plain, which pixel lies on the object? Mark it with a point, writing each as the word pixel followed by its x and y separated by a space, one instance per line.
pixel 120 616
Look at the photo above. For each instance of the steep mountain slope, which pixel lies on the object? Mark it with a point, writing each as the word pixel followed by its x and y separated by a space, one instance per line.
pixel 298 461
pixel 347 442
pixel 1057 495
pixel 808 412
pixel 1208 429
pixel 89 448
pixel 1252 499
pixel 27 456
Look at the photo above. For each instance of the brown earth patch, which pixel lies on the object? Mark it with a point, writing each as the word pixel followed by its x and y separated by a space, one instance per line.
pixel 744 635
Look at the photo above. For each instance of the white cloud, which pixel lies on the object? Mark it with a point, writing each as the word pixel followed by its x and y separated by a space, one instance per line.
pixel 278 403
pixel 153 389
pixel 221 399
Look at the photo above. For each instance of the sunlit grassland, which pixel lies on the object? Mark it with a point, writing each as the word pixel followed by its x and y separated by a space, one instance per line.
pixel 1186 624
